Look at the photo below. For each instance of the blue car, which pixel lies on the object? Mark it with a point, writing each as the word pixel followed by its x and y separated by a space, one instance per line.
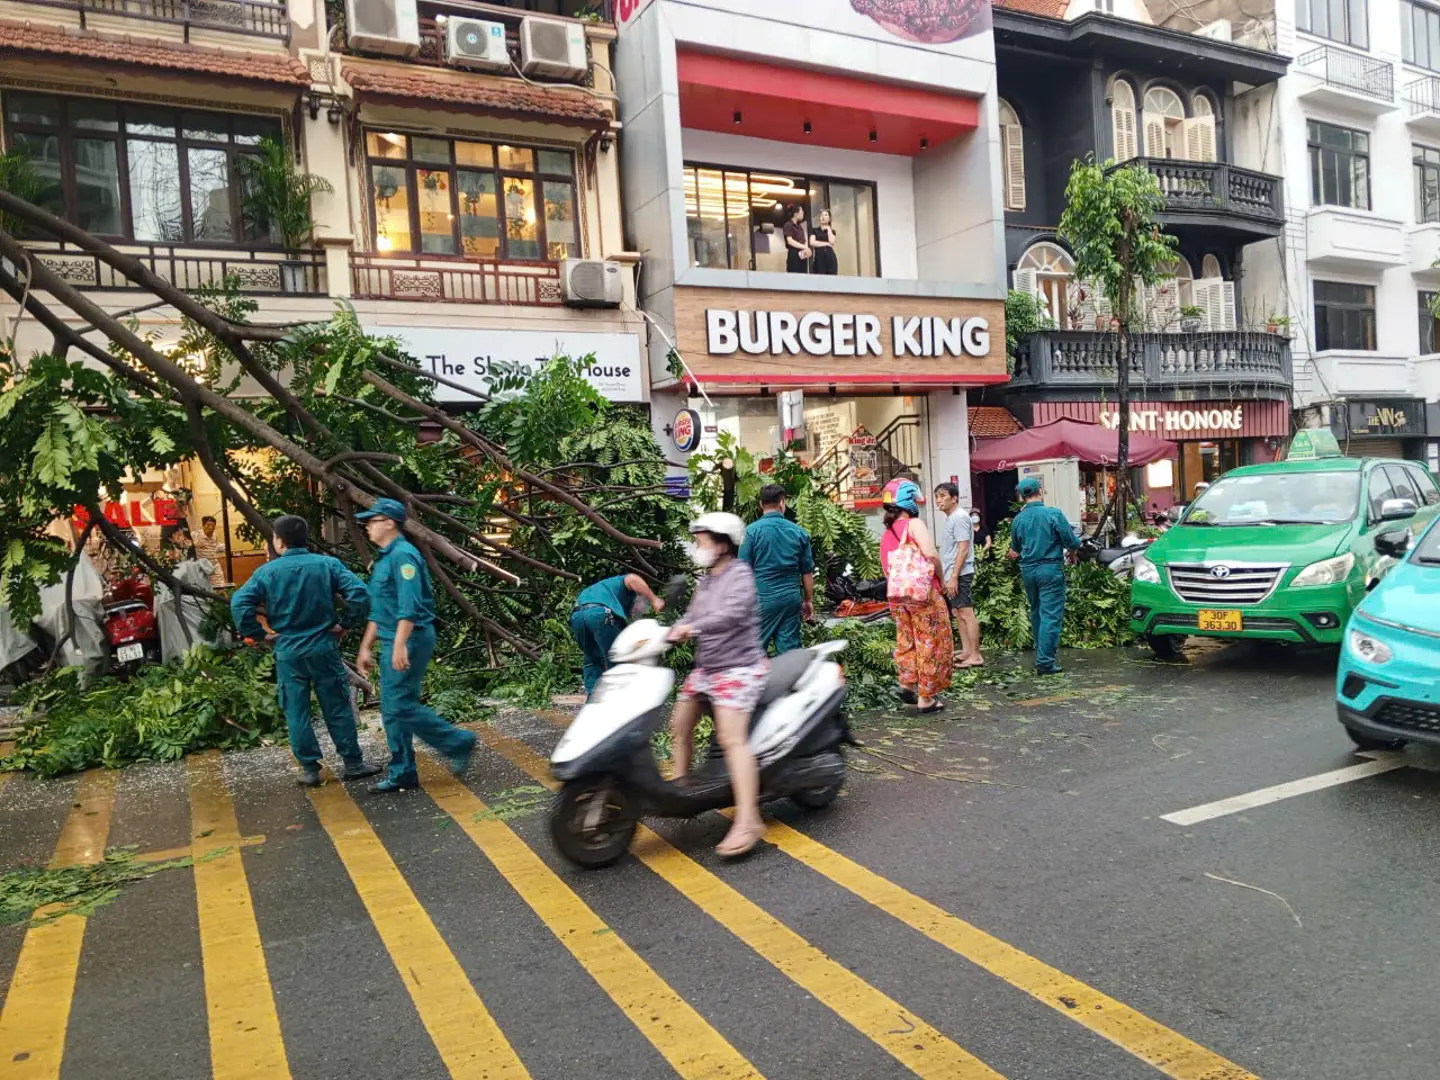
pixel 1388 686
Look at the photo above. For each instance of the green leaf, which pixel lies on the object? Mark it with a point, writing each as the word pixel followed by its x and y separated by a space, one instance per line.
pixel 161 442
pixel 52 459
pixel 10 398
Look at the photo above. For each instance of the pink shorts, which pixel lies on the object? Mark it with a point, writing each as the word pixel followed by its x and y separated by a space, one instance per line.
pixel 737 688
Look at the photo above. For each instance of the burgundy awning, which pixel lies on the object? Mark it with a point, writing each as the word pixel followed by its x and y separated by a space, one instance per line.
pixel 1091 443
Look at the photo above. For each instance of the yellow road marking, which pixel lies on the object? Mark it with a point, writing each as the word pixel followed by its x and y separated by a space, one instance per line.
pixel 910 1040
pixel 694 1049
pixel 166 854
pixel 245 1040
pixel 37 1008
pixel 469 1041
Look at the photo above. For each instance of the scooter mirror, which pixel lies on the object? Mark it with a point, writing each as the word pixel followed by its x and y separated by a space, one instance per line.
pixel 676 590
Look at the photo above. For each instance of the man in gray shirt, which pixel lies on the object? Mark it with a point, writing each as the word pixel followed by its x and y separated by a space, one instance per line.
pixel 957 563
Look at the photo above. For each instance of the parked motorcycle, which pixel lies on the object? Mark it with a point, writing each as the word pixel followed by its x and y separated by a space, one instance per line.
pixel 1120 561
pixel 130 623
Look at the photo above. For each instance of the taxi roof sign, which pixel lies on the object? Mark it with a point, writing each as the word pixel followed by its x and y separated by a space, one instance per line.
pixel 1311 444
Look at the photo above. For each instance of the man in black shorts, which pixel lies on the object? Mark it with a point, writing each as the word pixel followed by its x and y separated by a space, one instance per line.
pixel 956 541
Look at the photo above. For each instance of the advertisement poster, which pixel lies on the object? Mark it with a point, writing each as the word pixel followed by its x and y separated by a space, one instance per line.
pixel 864 466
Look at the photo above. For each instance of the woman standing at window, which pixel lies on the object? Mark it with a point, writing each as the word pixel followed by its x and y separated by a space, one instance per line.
pixel 797 244
pixel 822 243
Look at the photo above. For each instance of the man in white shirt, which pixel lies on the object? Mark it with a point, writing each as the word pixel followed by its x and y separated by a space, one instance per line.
pixel 207 547
pixel 957 562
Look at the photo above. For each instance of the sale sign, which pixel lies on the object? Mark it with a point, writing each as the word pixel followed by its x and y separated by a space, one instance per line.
pixel 627 11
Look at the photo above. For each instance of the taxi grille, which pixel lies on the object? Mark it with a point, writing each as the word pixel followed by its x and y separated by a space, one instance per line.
pixel 1412 715
pixel 1241 585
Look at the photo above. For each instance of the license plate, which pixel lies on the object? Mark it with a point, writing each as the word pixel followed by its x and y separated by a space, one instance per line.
pixel 126 653
pixel 1225 621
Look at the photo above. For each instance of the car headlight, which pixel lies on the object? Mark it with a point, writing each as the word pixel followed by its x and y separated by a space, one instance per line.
pixel 1371 650
pixel 1326 571
pixel 1145 570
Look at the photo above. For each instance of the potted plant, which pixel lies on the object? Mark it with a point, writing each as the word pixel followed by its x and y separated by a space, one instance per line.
pixel 1190 317
pixel 1277 324
pixel 277 200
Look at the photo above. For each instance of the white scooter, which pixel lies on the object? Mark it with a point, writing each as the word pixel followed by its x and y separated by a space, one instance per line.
pixel 610 774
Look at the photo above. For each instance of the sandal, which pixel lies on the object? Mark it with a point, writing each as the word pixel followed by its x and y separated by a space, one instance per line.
pixel 740 841
pixel 933 707
pixel 908 696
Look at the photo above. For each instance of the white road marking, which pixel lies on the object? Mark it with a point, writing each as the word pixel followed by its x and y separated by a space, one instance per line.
pixel 1379 763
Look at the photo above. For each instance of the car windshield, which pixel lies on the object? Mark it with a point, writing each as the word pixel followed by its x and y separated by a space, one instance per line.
pixel 1309 498
pixel 1428 550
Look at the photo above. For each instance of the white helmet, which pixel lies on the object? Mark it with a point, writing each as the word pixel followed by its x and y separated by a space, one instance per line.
pixel 727 525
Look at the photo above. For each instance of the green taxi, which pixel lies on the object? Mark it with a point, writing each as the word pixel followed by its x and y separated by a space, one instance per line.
pixel 1282 551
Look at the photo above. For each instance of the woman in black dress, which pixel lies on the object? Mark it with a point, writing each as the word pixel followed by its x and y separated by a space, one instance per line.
pixel 822 244
pixel 797 243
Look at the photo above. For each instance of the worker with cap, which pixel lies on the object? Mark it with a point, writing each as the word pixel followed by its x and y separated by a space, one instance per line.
pixel 779 552
pixel 298 591
pixel 402 617
pixel 1039 537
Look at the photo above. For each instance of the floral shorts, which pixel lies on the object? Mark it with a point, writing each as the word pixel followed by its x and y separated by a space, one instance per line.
pixel 737 688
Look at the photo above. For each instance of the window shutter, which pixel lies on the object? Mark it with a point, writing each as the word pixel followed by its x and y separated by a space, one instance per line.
pixel 1123 122
pixel 1200 138
pixel 1012 142
pixel 1154 136
pixel 1027 281
pixel 1217 297
pixel 1103 307
pixel 1164 303
pixel 1227 305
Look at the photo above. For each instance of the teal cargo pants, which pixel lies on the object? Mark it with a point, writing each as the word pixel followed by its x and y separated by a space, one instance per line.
pixel 780 623
pixel 321 669
pixel 1045 593
pixel 595 628
pixel 404 716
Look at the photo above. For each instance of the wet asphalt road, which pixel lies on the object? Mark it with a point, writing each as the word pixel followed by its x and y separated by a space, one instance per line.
pixel 401 938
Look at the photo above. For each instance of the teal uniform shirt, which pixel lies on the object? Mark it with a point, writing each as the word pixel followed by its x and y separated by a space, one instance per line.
pixel 779 552
pixel 298 592
pixel 400 588
pixel 1041 534
pixel 611 594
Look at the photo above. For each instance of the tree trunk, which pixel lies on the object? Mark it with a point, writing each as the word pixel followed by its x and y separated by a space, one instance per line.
pixel 1122 397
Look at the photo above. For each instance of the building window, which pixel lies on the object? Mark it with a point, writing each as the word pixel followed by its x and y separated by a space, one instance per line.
pixel 735 219
pixel 1122 120
pixel 1339 166
pixel 1012 149
pixel 1429 323
pixel 1338 20
pixel 1344 316
pixel 1420 35
pixel 1046 271
pixel 1164 124
pixel 433 196
pixel 1200 130
pixel 140 172
pixel 1427 183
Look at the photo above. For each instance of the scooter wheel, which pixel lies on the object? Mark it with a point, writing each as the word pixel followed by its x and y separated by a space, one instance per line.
pixel 604 840
pixel 817 798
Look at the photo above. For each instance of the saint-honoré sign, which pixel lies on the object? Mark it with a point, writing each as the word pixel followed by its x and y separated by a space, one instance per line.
pixel 465 355
pixel 821 333
pixel 1174 419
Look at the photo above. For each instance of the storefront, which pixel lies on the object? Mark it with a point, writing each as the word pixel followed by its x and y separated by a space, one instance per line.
pixel 1388 427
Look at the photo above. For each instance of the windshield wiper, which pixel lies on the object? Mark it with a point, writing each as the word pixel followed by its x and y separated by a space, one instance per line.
pixel 1297 521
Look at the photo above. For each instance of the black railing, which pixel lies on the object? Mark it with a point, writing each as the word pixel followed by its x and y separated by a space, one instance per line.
pixel 1350 71
pixel 257 18
pixel 1212 186
pixel 1080 358
pixel 278 273
pixel 1423 96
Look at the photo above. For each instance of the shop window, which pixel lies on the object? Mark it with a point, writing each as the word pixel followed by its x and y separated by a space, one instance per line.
pixel 1344 316
pixel 1047 272
pixel 1012 150
pixel 1429 323
pixel 140 172
pixel 1339 20
pixel 1427 183
pixel 1420 34
pixel 1339 166
pixel 1122 120
pixel 435 196
pixel 1164 124
pixel 735 220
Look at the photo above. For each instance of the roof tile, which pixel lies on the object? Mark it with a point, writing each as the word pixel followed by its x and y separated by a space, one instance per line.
pixel 478 92
pixel 992 422
pixel 26 37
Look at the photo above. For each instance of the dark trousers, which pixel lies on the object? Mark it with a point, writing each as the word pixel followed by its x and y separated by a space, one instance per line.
pixel 1045 592
pixel 405 717
pixel 780 623
pixel 321 670
pixel 595 629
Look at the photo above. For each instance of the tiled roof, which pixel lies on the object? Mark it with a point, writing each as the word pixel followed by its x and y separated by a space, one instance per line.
pixel 147 52
pixel 992 422
pixel 1054 9
pixel 475 92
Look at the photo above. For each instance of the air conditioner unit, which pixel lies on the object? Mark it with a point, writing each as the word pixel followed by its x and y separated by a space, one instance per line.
pixel 476 44
pixel 383 26
pixel 1219 30
pixel 592 283
pixel 550 47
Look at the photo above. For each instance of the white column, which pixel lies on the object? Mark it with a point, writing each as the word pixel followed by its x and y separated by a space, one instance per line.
pixel 949 442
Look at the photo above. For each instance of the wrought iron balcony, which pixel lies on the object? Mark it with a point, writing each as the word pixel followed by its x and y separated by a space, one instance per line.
pixel 257 18
pixel 1086 360
pixel 1344 77
pixel 1220 194
pixel 258 273
pixel 455 279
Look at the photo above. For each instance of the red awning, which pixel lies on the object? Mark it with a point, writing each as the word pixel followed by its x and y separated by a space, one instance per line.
pixel 1091 443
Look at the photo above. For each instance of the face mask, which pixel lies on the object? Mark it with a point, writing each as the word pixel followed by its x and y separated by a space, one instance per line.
pixel 703 557
pixel 975 519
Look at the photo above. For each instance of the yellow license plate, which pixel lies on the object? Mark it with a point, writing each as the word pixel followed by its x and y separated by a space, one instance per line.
pixel 1225 621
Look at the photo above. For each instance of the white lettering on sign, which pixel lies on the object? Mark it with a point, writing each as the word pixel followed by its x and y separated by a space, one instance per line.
pixel 819 333
pixel 1176 421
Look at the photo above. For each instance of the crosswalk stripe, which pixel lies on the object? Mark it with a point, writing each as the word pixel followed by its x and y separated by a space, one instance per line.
pixel 693 1048
pixel 911 1041
pixel 245 1040
pixel 469 1041
pixel 37 1007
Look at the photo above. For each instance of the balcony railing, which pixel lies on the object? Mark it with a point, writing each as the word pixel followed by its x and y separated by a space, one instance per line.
pixel 1350 71
pixel 1422 96
pixel 453 279
pixel 258 273
pixel 257 18
pixel 1079 358
pixel 1214 186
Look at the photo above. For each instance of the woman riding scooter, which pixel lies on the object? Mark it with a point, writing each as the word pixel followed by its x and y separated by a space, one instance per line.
pixel 730 669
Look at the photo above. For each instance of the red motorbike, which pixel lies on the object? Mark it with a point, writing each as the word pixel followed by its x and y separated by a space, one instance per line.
pixel 130 623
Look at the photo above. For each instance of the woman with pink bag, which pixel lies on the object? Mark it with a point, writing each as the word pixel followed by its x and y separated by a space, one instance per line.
pixel 924 650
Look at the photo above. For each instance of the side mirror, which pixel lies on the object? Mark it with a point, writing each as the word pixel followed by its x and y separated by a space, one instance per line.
pixel 1396 509
pixel 1393 542
pixel 675 591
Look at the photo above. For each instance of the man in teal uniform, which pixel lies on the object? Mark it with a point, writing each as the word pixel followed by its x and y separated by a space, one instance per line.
pixel 298 591
pixel 779 552
pixel 599 616
pixel 1039 538
pixel 402 617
